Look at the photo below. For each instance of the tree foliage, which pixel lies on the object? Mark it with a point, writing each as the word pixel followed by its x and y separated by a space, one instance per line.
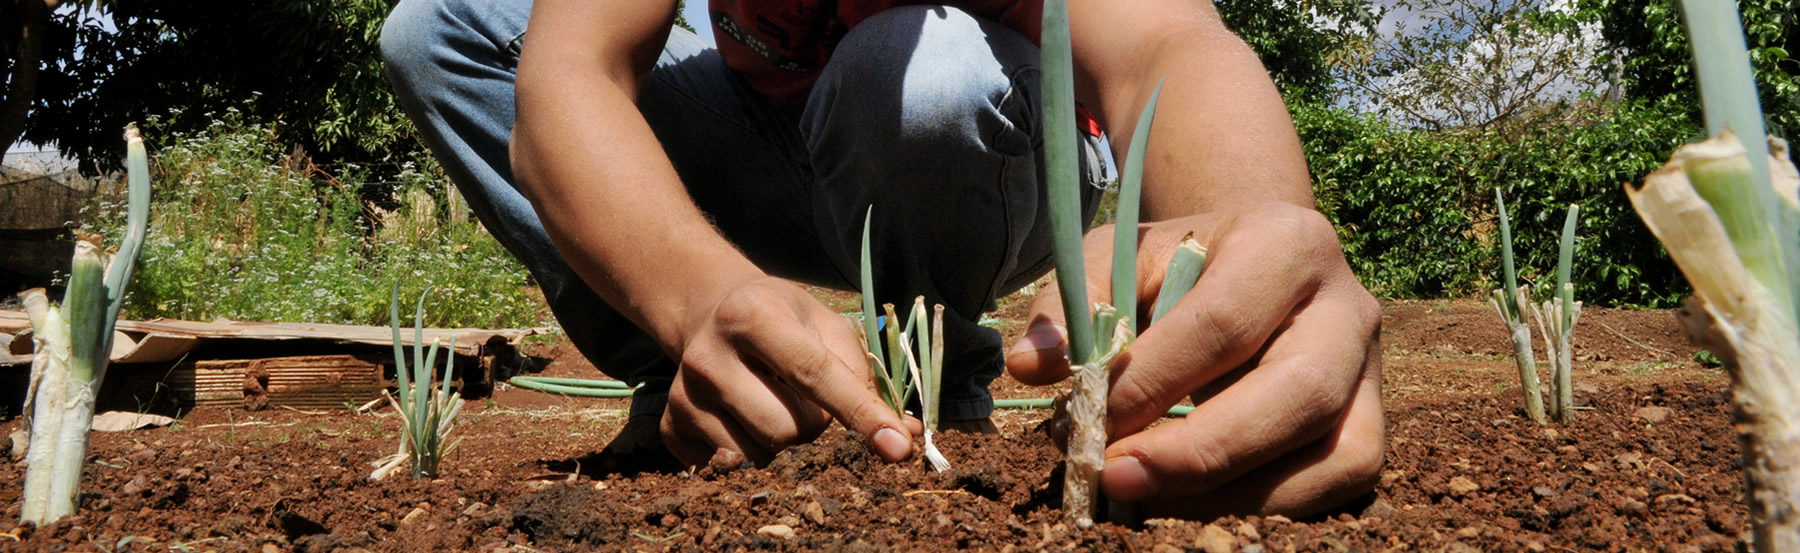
pixel 309 68
pixel 1301 41
pixel 1647 48
pixel 1414 209
pixel 1449 64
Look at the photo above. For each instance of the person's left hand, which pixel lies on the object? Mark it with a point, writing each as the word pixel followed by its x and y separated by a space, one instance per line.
pixel 1277 346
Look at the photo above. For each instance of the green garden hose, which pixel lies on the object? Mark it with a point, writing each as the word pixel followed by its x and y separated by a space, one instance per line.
pixel 586 387
pixel 583 387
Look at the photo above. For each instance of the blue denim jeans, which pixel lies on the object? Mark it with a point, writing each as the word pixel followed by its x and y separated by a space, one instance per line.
pixel 927 113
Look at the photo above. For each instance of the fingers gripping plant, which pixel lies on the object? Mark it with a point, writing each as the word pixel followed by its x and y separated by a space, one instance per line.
pixel 1726 213
pixel 74 342
pixel 900 358
pixel 426 414
pixel 1110 327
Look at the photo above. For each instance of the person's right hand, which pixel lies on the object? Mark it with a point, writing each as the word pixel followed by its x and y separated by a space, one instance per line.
pixel 769 367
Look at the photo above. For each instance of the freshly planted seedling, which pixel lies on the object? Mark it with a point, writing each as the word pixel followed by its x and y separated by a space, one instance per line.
pixel 913 356
pixel 1506 302
pixel 1094 339
pixel 891 382
pixel 73 346
pixel 1726 212
pixel 1556 320
pixel 426 414
pixel 928 372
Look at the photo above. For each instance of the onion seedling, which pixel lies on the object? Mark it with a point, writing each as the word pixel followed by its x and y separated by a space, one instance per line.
pixel 1506 302
pixel 1725 210
pixel 917 349
pixel 73 347
pixel 928 372
pixel 426 414
pixel 1556 320
pixel 891 383
pixel 1094 339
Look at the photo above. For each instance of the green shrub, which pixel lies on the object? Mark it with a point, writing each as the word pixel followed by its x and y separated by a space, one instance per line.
pixel 240 229
pixel 1415 209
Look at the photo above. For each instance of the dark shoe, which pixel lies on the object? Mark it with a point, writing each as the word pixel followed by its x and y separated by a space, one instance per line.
pixel 638 448
pixel 982 425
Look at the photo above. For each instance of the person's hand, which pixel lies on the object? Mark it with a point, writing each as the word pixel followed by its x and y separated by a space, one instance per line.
pixel 1277 345
pixel 769 367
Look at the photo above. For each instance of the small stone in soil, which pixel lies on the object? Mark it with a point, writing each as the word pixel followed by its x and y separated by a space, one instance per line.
pixel 814 512
pixel 1248 532
pixel 1214 539
pixel 1653 414
pixel 1379 508
pixel 1635 508
pixel 1462 485
pixel 778 531
pixel 20 439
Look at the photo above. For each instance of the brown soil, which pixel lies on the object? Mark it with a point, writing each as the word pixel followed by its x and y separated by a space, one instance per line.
pixel 1465 472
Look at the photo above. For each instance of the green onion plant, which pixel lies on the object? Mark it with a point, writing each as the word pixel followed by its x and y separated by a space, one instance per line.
pixel 1506 302
pixel 909 358
pixel 1095 338
pixel 73 345
pixel 1725 210
pixel 928 372
pixel 1556 321
pixel 426 414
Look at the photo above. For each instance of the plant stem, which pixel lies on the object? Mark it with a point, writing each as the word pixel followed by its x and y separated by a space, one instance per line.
pixel 1184 271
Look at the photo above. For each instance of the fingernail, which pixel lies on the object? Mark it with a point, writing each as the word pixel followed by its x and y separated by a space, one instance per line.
pixel 1041 336
pixel 891 445
pixel 1126 480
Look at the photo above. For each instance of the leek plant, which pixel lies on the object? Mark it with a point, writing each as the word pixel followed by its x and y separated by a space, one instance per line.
pixel 1095 338
pixel 1726 212
pixel 894 363
pixel 1506 302
pixel 1556 320
pixel 426 414
pixel 73 345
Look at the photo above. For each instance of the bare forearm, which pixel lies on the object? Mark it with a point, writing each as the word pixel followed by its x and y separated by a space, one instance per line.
pixel 1222 141
pixel 608 196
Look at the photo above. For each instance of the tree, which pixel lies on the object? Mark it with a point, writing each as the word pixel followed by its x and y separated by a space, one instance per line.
pixel 23 45
pixel 310 69
pixel 1301 41
pixel 1646 47
pixel 1471 63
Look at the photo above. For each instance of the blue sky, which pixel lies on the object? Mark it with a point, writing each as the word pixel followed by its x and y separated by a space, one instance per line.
pixel 695 11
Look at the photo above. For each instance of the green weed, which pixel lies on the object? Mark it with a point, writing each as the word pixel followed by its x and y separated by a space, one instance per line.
pixel 242 229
